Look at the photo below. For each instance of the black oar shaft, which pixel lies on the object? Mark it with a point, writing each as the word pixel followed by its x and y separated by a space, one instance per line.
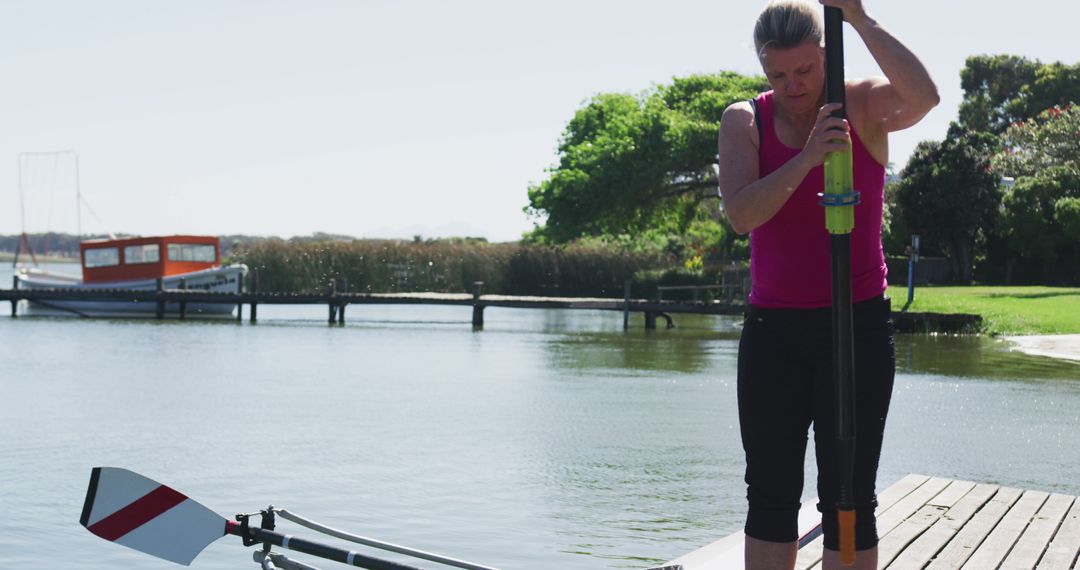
pixel 842 325
pixel 844 364
pixel 313 548
pixel 834 58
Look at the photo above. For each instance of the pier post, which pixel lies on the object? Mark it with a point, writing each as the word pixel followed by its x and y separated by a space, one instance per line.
pixel 240 304
pixel 330 297
pixel 670 321
pixel 254 291
pixel 477 309
pixel 14 302
pixel 160 303
pixel 650 320
pixel 626 306
pixel 183 304
pixel 341 306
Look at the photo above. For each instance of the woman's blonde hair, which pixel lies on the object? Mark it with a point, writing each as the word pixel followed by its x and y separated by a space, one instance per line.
pixel 785 24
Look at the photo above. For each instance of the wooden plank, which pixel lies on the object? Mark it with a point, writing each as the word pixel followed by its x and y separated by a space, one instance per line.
pixel 1033 542
pixel 952 494
pixel 972 534
pixel 1065 547
pixel 809 557
pixel 919 553
pixel 993 550
pixel 891 517
pixel 892 544
pixel 899 490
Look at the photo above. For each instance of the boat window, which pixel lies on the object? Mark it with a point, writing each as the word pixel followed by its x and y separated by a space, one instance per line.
pixel 149 253
pixel 192 252
pixel 102 257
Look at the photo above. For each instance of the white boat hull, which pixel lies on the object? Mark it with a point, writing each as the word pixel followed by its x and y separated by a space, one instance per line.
pixel 216 280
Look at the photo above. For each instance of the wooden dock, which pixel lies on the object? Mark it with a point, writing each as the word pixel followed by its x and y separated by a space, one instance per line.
pixel 941 524
pixel 175 301
pixel 169 300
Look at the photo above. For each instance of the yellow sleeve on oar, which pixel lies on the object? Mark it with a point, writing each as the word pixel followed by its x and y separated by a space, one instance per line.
pixel 839 197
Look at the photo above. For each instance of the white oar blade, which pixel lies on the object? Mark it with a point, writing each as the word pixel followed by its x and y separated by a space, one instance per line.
pixel 129 509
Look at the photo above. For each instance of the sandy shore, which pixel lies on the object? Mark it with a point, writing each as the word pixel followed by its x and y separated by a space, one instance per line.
pixel 1064 346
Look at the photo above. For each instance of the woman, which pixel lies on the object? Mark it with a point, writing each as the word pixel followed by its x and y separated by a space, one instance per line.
pixel 771 154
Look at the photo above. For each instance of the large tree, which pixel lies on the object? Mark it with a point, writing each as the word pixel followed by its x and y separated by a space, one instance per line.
pixel 1067 215
pixel 633 163
pixel 991 83
pixel 1043 155
pixel 1000 90
pixel 949 196
pixel 1051 139
pixel 1039 221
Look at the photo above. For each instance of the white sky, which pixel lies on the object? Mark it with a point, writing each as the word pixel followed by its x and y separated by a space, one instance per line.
pixel 380 118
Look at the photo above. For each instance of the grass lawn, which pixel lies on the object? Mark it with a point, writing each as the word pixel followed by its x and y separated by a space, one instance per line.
pixel 1005 310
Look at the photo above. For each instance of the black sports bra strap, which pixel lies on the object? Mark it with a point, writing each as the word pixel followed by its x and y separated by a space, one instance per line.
pixel 757 118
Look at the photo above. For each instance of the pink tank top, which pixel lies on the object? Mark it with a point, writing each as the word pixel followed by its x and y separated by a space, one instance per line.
pixel 789 254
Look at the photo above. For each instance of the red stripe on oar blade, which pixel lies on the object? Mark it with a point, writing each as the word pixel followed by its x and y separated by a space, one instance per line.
pixel 138 513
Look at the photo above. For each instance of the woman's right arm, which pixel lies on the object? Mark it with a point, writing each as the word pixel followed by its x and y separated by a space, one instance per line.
pixel 748 200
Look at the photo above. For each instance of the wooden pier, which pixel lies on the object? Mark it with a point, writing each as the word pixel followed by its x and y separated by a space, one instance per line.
pixel 335 302
pixel 941 524
pixel 176 301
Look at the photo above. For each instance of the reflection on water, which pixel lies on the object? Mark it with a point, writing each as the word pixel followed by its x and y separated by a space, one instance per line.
pixel 644 352
pixel 970 356
pixel 690 348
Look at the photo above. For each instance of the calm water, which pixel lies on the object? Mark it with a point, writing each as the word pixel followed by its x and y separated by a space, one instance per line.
pixel 551 439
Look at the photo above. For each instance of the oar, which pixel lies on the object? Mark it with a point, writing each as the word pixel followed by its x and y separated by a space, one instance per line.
pixel 140 513
pixel 839 200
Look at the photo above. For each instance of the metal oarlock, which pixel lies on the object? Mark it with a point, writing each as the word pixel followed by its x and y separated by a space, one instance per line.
pixel 267 523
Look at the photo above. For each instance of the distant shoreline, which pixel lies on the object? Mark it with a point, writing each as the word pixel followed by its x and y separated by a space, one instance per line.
pixel 6 256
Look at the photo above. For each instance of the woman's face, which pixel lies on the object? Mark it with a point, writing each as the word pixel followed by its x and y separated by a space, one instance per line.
pixel 797 76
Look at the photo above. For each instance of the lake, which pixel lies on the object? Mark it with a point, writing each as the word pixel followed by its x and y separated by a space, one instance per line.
pixel 551 439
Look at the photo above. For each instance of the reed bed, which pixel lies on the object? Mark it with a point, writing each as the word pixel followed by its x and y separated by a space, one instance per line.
pixel 452 266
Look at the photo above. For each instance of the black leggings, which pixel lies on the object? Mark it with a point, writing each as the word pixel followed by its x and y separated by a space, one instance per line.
pixel 785 385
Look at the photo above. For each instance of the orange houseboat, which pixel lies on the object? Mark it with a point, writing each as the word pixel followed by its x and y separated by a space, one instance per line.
pixel 137 263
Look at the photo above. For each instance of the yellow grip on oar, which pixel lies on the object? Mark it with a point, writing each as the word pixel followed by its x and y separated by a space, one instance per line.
pixel 847 536
pixel 839 183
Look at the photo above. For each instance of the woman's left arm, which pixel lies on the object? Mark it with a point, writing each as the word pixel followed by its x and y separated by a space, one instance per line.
pixel 907 93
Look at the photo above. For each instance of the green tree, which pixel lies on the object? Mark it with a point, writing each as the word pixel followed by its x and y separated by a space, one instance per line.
pixel 1040 220
pixel 1000 90
pixel 1050 140
pixel 1067 216
pixel 895 235
pixel 629 164
pixel 950 197
pixel 991 83
pixel 1055 85
pixel 1043 155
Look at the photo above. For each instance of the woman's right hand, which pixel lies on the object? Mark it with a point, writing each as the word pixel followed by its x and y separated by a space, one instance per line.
pixel 830 134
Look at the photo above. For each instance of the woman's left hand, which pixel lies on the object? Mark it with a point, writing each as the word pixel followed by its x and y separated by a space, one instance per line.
pixel 853 10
